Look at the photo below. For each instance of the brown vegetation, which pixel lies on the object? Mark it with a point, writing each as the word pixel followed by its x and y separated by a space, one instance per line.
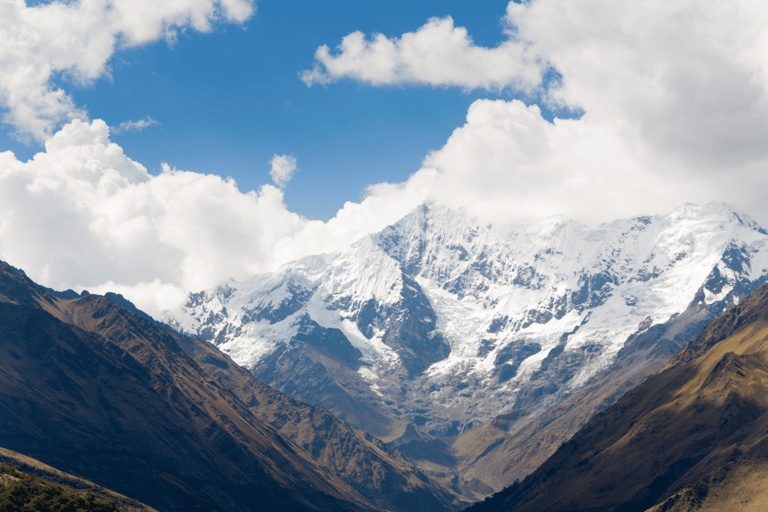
pixel 693 437
pixel 66 481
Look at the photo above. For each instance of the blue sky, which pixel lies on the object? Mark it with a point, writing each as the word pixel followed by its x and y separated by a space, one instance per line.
pixel 591 109
pixel 228 100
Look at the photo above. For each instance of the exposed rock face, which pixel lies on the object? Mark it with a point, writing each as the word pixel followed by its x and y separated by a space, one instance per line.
pixel 693 437
pixel 508 447
pixel 457 322
pixel 378 471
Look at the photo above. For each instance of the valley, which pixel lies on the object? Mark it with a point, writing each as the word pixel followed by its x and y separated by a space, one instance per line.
pixel 692 437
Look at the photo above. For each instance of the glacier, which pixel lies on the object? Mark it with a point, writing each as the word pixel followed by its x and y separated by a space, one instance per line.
pixel 438 323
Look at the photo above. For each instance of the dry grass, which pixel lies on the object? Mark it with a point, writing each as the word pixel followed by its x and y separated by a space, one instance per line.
pixel 693 437
pixel 69 482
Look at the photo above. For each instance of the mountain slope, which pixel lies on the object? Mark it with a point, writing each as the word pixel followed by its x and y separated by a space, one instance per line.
pixel 379 472
pixel 693 435
pixel 439 324
pixel 501 451
pixel 129 410
pixel 69 482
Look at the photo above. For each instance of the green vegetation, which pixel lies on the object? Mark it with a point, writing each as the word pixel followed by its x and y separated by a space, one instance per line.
pixel 22 492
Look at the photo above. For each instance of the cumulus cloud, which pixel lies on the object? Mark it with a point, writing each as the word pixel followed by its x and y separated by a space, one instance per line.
pixel 508 163
pixel 283 168
pixel 437 54
pixel 135 126
pixel 687 78
pixel 673 94
pixel 75 40
pixel 83 214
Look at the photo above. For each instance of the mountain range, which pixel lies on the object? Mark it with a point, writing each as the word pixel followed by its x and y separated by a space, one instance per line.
pixel 478 349
pixel 429 365
pixel 95 390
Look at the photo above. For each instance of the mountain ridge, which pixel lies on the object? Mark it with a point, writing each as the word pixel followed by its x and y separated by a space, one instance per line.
pixel 239 462
pixel 459 322
pixel 688 435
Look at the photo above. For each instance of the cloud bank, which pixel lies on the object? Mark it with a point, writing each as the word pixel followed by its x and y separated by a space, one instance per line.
pixel 82 214
pixel 74 41
pixel 673 95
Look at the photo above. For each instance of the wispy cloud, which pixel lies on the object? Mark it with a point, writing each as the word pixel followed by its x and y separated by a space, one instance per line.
pixel 135 126
pixel 283 168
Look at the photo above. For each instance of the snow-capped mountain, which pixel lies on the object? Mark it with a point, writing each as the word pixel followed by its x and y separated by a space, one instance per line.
pixel 443 323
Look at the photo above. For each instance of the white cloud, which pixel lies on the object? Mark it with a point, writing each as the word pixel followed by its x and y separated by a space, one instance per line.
pixel 82 214
pixel 674 95
pixel 283 168
pixel 135 126
pixel 436 54
pixel 75 40
pixel 688 78
pixel 507 163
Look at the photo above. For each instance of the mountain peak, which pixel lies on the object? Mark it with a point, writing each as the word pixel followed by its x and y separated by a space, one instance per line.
pixel 458 321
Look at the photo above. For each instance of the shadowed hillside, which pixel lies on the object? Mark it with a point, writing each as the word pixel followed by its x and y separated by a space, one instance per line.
pixel 693 437
pixel 122 405
pixel 378 471
pixel 11 462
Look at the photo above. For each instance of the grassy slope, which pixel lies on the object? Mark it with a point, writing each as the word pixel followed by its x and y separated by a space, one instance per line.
pixel 700 424
pixel 377 471
pixel 69 482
